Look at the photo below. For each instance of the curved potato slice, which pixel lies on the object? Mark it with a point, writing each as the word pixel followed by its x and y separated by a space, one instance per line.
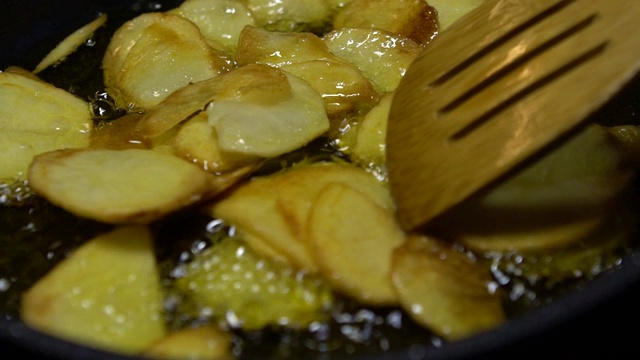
pixel 200 343
pixel 118 186
pixel 70 43
pixel 155 54
pixel 353 239
pixel 259 83
pixel 220 21
pixel 36 117
pixel 443 289
pixel 88 299
pixel 382 56
pixel 291 15
pixel 370 142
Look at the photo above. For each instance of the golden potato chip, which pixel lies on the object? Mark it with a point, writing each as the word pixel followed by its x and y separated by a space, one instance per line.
pixel 70 43
pixel 118 186
pixel 106 294
pixel 36 117
pixel 383 57
pixel 414 19
pixel 155 54
pixel 353 239
pixel 220 21
pixel 444 289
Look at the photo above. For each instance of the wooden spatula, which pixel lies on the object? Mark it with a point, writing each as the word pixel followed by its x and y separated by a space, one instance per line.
pixel 499 86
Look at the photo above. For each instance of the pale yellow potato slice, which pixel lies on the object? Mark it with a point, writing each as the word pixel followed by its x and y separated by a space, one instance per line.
pixel 220 21
pixel 252 209
pixel 449 11
pixel 259 83
pixel 353 239
pixel 413 19
pixel 155 54
pixel 199 343
pixel 266 128
pixel 196 141
pixel 36 117
pixel 370 142
pixel 70 43
pixel 118 186
pixel 106 294
pixel 342 86
pixel 291 15
pixel 299 187
pixel 444 289
pixel 552 203
pixel 382 56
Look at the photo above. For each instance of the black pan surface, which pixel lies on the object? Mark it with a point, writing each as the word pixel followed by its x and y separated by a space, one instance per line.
pixel 599 320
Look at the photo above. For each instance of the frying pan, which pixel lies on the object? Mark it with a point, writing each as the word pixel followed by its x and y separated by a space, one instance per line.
pixel 598 319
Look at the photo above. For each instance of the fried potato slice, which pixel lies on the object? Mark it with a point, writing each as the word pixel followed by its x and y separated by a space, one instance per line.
pixel 444 289
pixel 199 343
pixel 257 83
pixel 36 117
pixel 382 57
pixel 119 134
pixel 369 149
pixel 252 208
pixel 220 21
pixel 118 186
pixel 342 86
pixel 196 141
pixel 353 239
pixel 106 294
pixel 266 128
pixel 554 202
pixel 70 43
pixel 413 19
pixel 291 15
pixel 251 292
pixel 272 211
pixel 155 54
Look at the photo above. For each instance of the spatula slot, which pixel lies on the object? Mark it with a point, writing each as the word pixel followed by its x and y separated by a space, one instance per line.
pixel 516 63
pixel 532 88
pixel 469 61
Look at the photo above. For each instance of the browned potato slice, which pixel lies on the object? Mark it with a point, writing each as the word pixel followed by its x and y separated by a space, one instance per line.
pixel 118 186
pixel 70 43
pixel 382 56
pixel 370 144
pixel 220 21
pixel 260 83
pixel 106 294
pixel 252 209
pixel 267 128
pixel 299 188
pixel 155 54
pixel 444 289
pixel 449 11
pixel 291 15
pixel 201 343
pixel 353 239
pixel 196 141
pixel 413 19
pixel 36 117
pixel 342 86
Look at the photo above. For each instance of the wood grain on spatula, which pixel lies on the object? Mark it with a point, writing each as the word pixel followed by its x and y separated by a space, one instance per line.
pixel 496 88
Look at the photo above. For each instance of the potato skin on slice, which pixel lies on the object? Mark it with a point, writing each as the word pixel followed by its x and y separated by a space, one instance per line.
pixel 118 186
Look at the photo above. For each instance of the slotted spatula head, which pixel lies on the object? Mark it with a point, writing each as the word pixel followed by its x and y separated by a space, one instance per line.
pixel 499 86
